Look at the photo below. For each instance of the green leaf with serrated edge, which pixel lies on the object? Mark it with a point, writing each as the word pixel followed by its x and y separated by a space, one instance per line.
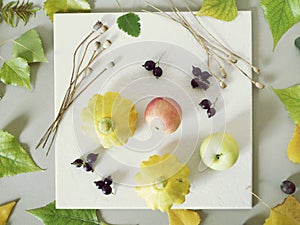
pixel 281 15
pixel 16 72
pixel 29 46
pixel 130 23
pixel 290 97
pixel 65 6
pixel 52 216
pixel 13 158
pixel 220 9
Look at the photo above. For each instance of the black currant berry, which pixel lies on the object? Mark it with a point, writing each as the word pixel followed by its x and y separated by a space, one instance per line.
pixel 99 184
pixel 211 112
pixel 91 158
pixel 106 189
pixel 77 163
pixel 88 167
pixel 149 65
pixel 108 180
pixel 288 187
pixel 205 104
pixel 157 72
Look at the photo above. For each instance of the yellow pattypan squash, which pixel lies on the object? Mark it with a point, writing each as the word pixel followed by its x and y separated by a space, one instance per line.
pixel 162 182
pixel 109 119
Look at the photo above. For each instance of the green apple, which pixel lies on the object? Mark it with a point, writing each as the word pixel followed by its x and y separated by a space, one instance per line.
pixel 219 151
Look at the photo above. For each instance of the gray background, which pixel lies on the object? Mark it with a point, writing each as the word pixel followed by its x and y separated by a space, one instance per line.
pixel 27 115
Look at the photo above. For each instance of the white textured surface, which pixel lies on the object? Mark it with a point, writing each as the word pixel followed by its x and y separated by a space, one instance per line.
pixel 209 189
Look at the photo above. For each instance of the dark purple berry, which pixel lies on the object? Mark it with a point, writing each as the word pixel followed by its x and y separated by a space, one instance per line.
pixel 288 187
pixel 88 167
pixel 195 82
pixel 205 104
pixel 106 189
pixel 157 72
pixel 92 157
pixel 211 112
pixel 205 75
pixel 149 65
pixel 78 162
pixel 99 184
pixel 108 180
pixel 196 71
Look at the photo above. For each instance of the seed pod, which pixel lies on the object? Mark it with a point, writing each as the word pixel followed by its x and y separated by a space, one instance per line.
pixel 256 70
pixel 106 44
pixel 222 84
pixel 223 72
pixel 103 29
pixel 97 45
pixel 259 85
pixel 97 25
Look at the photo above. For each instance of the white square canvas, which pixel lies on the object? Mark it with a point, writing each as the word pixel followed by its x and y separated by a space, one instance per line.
pixel 179 51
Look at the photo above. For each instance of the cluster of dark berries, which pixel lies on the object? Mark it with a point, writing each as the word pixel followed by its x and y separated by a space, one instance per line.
pixel 156 69
pixel 88 164
pixel 288 187
pixel 206 104
pixel 201 79
pixel 105 185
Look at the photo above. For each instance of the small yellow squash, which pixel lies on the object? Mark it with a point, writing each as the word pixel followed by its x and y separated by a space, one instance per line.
pixel 162 182
pixel 109 119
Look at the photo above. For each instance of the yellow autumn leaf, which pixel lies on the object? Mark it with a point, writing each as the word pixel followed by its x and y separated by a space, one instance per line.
pixel 5 211
pixel 287 213
pixel 293 150
pixel 183 217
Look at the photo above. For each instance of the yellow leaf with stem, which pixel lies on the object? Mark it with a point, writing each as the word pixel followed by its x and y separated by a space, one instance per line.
pixel 183 217
pixel 287 213
pixel 5 211
pixel 293 150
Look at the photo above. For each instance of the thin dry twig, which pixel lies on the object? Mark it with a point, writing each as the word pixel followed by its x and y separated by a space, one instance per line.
pixel 215 50
pixel 79 73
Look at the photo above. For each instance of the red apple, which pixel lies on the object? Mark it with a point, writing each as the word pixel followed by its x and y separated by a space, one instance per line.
pixel 163 114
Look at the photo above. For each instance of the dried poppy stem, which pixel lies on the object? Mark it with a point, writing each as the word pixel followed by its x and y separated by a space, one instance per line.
pixel 215 49
pixel 78 75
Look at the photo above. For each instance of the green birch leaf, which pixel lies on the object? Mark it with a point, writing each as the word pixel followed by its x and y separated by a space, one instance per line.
pixel 290 97
pixel 52 216
pixel 65 6
pixel 29 46
pixel 16 72
pixel 220 9
pixel 13 158
pixel 281 15
pixel 130 23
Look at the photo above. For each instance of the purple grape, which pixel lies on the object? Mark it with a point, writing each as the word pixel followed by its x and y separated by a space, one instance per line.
pixel 196 71
pixel 88 167
pixel 108 180
pixel 205 104
pixel 99 184
pixel 92 157
pixel 288 187
pixel 106 189
pixel 149 65
pixel 211 112
pixel 157 72
pixel 77 162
